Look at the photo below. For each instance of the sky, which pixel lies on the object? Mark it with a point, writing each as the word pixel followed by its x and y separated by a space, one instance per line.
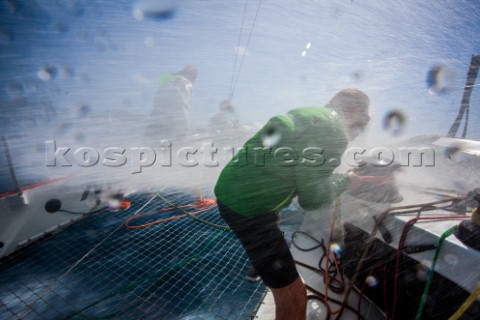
pixel 70 67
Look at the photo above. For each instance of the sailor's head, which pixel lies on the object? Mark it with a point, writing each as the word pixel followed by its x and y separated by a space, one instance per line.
pixel 352 106
pixel 189 72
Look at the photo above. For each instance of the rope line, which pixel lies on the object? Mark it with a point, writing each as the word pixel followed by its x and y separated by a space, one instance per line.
pixel 221 227
pixel 243 55
pixel 158 221
pixel 466 304
pixel 394 210
pixel 238 47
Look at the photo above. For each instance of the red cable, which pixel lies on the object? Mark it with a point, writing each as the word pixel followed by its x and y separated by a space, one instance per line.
pixel 360 298
pixel 384 284
pixel 326 274
pixel 128 226
pixel 31 186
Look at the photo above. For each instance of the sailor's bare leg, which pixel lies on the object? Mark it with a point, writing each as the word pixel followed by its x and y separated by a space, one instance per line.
pixel 291 301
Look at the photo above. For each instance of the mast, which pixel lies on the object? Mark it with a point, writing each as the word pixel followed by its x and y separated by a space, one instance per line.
pixel 467 92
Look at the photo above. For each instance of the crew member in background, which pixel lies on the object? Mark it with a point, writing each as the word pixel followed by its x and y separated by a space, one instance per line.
pixel 293 155
pixel 224 121
pixel 169 118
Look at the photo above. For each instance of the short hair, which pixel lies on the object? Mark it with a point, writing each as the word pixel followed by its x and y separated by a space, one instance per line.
pixel 348 101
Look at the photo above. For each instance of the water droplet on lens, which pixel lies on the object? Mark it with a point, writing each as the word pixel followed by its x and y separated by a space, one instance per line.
pixel 422 271
pixel 336 248
pixel 394 122
pixel 439 79
pixel 271 138
pixel 47 73
pixel 451 259
pixel 371 281
pixel 315 310
pixel 158 9
pixel 43 75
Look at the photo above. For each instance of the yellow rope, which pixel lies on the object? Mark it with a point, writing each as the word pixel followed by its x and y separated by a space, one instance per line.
pixel 466 304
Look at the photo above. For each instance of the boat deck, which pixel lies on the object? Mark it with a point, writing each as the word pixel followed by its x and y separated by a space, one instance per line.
pixel 97 268
pixel 317 224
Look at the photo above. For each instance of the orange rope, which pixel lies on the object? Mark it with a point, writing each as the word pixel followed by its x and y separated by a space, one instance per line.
pixel 148 224
pixel 326 275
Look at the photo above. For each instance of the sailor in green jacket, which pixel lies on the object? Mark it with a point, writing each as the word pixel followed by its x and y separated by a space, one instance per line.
pixel 293 155
pixel 169 118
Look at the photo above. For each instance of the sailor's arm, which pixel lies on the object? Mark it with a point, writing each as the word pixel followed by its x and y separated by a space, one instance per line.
pixel 314 189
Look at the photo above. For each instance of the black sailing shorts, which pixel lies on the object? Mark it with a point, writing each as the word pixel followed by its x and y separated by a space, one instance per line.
pixel 265 246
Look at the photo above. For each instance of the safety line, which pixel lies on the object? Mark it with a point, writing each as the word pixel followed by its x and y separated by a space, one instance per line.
pixel 194 217
pixel 244 52
pixel 238 48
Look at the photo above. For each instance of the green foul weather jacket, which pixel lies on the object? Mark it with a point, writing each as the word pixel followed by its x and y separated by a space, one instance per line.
pixel 293 155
